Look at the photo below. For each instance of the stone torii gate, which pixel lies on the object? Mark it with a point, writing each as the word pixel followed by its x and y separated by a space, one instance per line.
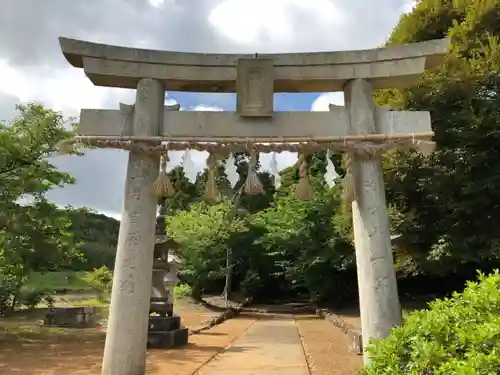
pixel 254 79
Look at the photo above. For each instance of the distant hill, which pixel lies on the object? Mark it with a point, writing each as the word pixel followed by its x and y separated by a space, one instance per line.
pixel 99 234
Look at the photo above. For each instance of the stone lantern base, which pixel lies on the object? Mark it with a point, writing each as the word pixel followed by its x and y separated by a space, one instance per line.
pixel 165 332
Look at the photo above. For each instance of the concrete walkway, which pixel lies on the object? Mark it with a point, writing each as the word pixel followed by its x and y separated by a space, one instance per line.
pixel 269 346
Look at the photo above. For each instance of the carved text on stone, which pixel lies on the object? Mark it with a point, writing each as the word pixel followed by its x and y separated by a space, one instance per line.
pixel 255 87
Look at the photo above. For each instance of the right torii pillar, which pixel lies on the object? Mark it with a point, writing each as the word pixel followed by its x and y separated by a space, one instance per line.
pixel 378 292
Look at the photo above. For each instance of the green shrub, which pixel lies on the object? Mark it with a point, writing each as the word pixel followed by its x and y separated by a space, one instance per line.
pixel 7 292
pixel 459 335
pixel 101 279
pixel 182 290
pixel 49 300
pixel 31 299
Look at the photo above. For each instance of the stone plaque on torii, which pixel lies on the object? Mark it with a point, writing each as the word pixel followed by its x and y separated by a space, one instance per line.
pixel 360 129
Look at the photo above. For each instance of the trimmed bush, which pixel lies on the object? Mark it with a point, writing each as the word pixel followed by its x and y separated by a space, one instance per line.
pixel 458 335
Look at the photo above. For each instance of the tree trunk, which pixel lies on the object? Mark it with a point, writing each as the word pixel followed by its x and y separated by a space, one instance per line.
pixel 229 266
pixel 229 277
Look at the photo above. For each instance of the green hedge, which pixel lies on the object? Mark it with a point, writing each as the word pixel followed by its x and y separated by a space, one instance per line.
pixel 459 335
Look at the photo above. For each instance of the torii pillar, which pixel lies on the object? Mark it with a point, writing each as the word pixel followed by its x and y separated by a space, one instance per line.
pixel 127 331
pixel 378 293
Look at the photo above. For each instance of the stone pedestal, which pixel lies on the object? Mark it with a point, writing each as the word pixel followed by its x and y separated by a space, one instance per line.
pixel 70 317
pixel 165 332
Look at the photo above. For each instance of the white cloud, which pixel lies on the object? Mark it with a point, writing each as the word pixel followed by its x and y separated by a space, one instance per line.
pixel 169 100
pixel 278 24
pixel 284 160
pixel 66 90
pixel 322 101
pixel 409 6
pixel 209 108
pixel 14 83
pixel 156 3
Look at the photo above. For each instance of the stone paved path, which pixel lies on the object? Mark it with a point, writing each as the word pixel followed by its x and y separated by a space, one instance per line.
pixel 269 346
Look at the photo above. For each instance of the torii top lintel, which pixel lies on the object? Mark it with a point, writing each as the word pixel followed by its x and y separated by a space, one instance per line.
pixel 396 66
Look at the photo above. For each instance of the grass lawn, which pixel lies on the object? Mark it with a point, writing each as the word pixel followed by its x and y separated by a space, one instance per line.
pixel 58 282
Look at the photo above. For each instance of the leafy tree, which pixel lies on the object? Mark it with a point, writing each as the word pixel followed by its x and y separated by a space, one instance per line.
pixel 447 205
pixel 205 234
pixel 186 193
pixel 303 249
pixel 289 248
pixel 33 237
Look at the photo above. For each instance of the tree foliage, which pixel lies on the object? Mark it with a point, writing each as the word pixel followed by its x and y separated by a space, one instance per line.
pixel 100 279
pixel 205 233
pixel 33 236
pixel 447 205
pixel 97 235
pixel 278 246
pixel 301 248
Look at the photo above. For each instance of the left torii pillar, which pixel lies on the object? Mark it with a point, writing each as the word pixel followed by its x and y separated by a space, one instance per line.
pixel 127 331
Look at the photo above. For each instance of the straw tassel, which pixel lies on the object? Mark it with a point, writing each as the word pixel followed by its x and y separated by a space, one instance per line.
pixel 211 191
pixel 163 186
pixel 304 190
pixel 253 186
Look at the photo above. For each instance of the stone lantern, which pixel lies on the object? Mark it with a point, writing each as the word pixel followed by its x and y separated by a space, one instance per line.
pixel 171 279
pixel 164 327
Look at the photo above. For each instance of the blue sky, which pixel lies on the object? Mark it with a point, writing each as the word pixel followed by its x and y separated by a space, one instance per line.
pixel 282 101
